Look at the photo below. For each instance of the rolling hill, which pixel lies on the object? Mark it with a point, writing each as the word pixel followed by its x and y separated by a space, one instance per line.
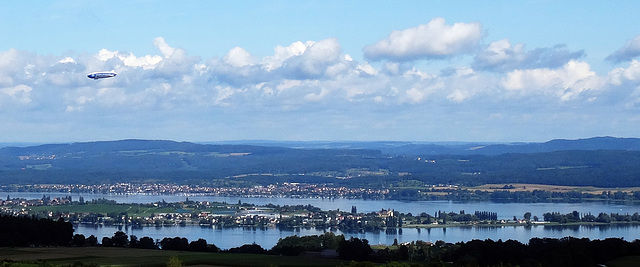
pixel 600 161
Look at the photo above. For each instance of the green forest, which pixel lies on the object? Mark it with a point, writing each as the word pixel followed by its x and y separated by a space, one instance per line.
pixel 231 165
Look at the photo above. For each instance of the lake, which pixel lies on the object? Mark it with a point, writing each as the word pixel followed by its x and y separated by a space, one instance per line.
pixel 267 238
pixel 234 237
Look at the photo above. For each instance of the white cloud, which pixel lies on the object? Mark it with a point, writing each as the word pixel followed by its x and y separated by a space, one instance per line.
pixel 164 48
pixel 432 40
pixel 314 61
pixel 130 60
pixel 458 96
pixel 238 57
pixel 629 51
pixel 313 77
pixel 501 56
pixel 314 97
pixel 20 93
pixel 67 60
pixel 283 53
pixel 366 69
pixel 620 75
pixel 567 83
pixel 416 95
pixel 287 84
pixel 223 93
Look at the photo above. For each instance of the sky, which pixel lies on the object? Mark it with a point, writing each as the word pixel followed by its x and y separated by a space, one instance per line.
pixel 200 71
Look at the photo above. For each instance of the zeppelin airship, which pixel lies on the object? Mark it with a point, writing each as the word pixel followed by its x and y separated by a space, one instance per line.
pixel 101 75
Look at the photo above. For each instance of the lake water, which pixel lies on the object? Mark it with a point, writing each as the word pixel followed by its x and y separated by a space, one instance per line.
pixel 267 238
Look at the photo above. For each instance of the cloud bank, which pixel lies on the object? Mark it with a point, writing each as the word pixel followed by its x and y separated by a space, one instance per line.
pixel 312 90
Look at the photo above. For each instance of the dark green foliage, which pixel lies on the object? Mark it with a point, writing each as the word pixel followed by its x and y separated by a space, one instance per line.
pixel 355 249
pixel 144 243
pixel 294 245
pixel 166 161
pixel 201 245
pixel 566 251
pixel 248 248
pixel 176 243
pixel 79 240
pixel 25 231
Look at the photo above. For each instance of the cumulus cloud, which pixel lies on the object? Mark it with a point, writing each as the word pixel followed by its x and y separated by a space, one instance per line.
pixel 310 60
pixel 314 77
pixel 618 76
pixel 566 83
pixel 238 57
pixel 501 56
pixel 629 51
pixel 164 48
pixel 283 53
pixel 129 59
pixel 20 93
pixel 428 41
pixel 314 61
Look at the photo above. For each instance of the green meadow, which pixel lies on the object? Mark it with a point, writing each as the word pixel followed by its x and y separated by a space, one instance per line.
pixel 109 256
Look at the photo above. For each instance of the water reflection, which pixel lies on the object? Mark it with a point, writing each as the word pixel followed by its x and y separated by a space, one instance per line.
pixel 268 237
pixel 560 228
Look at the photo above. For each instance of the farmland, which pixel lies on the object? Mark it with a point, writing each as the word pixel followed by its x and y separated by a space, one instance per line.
pixel 136 257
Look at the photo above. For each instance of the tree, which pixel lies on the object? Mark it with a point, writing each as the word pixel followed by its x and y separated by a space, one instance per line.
pixel 175 243
pixel 120 239
pixel 248 248
pixel 92 240
pixel 106 242
pixel 199 245
pixel 79 240
pixel 147 243
pixel 355 249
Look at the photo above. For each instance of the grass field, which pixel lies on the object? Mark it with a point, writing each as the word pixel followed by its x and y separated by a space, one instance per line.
pixel 103 256
pixel 132 209
pixel 551 188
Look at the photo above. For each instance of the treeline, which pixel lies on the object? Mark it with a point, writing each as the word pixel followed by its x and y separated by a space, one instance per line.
pixel 601 217
pixel 533 196
pixel 539 252
pixel 566 251
pixel 120 239
pixel 23 231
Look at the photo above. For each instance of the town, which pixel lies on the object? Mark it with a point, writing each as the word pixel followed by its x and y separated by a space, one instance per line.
pixel 293 190
pixel 223 215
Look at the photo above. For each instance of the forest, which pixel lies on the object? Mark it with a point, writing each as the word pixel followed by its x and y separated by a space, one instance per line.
pixel 602 162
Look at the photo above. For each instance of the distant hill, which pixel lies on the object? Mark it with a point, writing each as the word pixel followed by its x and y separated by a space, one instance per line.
pixel 595 143
pixel 599 161
pixel 462 148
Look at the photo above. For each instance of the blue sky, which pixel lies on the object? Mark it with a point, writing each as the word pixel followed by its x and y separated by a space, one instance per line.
pixel 319 70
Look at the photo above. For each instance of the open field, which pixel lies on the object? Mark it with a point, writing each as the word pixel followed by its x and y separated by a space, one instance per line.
pixel 134 210
pixel 550 188
pixel 103 256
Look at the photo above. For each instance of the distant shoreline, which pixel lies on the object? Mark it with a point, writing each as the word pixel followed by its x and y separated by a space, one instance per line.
pixel 516 224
